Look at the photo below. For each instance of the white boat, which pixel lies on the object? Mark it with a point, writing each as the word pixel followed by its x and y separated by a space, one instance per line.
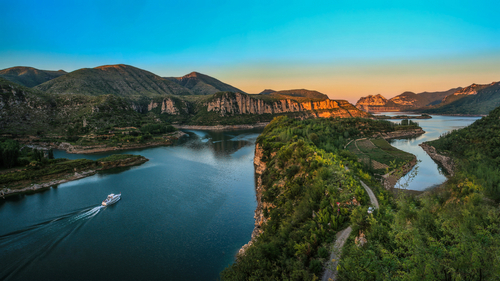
pixel 111 199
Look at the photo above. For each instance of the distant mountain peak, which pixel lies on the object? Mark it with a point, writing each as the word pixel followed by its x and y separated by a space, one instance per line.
pixel 267 92
pixel 193 74
pixel 114 66
pixel 29 76
pixel 202 84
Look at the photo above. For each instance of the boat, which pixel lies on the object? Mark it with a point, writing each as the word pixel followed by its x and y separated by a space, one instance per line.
pixel 111 199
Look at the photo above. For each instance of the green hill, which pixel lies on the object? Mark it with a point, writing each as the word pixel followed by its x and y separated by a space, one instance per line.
pixel 201 84
pixel 296 93
pixel 120 80
pixel 476 150
pixel 29 111
pixel 29 76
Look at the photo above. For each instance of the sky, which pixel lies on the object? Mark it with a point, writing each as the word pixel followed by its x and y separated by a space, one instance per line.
pixel 345 49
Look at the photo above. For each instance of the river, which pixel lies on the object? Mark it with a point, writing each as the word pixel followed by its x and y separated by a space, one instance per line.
pixel 183 216
pixel 427 173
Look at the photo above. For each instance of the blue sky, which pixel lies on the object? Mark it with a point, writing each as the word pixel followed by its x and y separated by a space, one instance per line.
pixel 345 49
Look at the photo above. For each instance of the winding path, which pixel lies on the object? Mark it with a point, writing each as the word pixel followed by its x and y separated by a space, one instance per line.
pixel 331 266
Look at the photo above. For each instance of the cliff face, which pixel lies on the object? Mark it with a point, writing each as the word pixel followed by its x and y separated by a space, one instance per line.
pixel 364 103
pixel 170 106
pixel 260 167
pixel 229 104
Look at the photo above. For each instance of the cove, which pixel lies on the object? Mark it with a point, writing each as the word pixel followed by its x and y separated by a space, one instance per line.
pixel 183 216
pixel 428 173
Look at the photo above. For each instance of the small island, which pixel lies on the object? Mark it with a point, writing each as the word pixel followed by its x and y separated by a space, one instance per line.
pixel 42 172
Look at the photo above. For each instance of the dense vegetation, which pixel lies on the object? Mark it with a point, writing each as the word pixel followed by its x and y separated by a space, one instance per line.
pixel 308 197
pixel 476 150
pixel 451 233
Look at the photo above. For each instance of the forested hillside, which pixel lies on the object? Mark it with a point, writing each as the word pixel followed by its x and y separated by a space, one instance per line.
pixel 307 196
pixel 476 150
pixel 449 233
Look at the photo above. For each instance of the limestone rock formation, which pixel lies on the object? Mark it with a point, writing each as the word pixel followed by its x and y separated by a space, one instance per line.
pixel 228 104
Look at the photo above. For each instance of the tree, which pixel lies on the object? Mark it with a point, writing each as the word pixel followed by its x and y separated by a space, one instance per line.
pixel 9 152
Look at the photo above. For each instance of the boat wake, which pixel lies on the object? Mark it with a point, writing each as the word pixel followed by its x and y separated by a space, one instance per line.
pixel 22 247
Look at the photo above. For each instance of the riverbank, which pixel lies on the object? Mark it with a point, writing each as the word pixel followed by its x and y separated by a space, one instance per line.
pixel 400 134
pixel 260 167
pixel 100 148
pixel 445 161
pixel 423 116
pixel 27 181
pixel 221 127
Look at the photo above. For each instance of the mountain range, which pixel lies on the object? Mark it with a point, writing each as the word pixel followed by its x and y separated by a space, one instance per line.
pixel 77 101
pixel 29 76
pixel 474 100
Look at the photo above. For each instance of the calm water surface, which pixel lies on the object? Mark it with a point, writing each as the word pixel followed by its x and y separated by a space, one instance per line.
pixel 183 216
pixel 428 173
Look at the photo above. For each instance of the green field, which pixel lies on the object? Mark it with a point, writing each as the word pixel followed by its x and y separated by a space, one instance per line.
pixel 378 153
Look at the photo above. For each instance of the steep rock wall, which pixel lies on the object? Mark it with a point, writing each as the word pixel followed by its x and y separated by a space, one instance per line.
pixel 234 104
pixel 260 167
pixel 170 106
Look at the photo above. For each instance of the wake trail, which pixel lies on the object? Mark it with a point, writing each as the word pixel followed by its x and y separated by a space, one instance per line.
pixel 22 247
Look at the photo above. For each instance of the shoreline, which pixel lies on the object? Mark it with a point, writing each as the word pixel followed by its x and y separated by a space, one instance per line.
pixel 446 162
pixel 260 167
pixel 221 127
pixel 63 178
pixel 100 148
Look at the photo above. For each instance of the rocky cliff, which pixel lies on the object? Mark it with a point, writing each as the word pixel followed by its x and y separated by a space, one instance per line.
pixel 228 104
pixel 404 101
pixel 260 167
pixel 170 106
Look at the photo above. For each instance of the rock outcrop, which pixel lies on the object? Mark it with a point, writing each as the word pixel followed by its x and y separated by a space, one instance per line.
pixel 170 106
pixel 365 103
pixel 404 101
pixel 445 161
pixel 228 104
